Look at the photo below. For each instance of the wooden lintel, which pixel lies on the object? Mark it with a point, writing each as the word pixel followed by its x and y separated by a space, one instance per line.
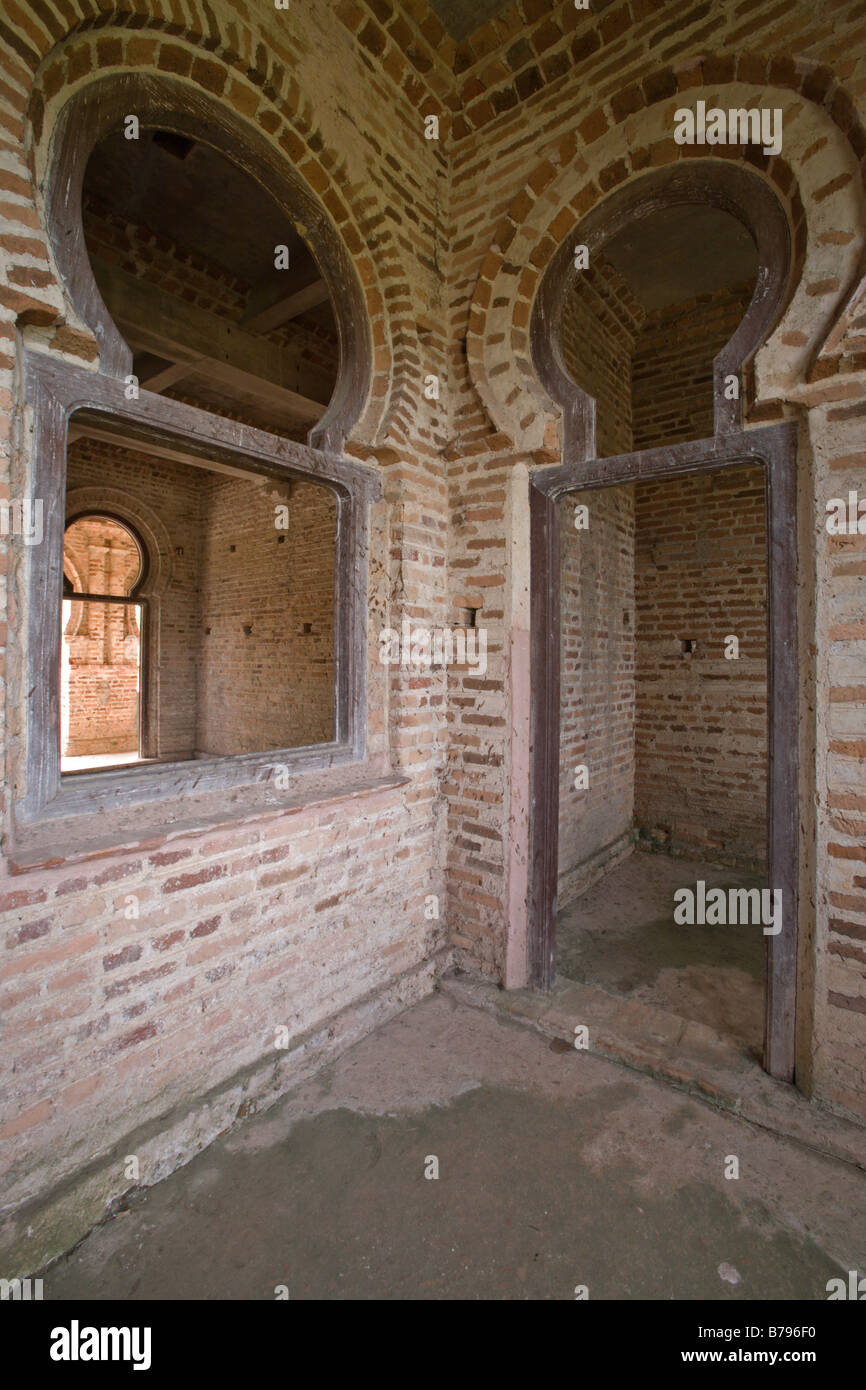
pixel 142 445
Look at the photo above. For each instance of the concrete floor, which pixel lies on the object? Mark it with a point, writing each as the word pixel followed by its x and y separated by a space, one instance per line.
pixel 621 935
pixel 556 1169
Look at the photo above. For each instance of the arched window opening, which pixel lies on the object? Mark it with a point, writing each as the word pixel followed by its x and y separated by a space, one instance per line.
pixel 101 650
pixel 644 321
pixel 209 281
pixel 234 356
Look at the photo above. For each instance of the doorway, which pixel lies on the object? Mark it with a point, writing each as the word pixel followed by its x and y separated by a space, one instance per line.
pixel 643 332
pixel 663 746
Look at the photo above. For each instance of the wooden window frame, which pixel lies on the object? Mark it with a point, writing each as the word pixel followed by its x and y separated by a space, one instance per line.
pixel 49 818
pixel 55 391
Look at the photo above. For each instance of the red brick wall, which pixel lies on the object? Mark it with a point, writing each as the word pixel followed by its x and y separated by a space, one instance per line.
pixel 650 373
pixel 672 367
pixel 271 686
pixel 653 372
pixel 294 915
pixel 553 109
pixel 600 321
pixel 102 696
pixel 597 699
pixel 542 93
pixel 701 720
pixel 171 493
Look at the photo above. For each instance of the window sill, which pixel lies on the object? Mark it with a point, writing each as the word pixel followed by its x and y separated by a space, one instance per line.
pixel 81 836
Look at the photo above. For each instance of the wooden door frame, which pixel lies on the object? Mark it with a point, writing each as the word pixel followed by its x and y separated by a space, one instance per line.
pixel 775 449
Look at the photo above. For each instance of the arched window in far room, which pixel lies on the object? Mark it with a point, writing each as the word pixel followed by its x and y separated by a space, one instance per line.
pixel 101 654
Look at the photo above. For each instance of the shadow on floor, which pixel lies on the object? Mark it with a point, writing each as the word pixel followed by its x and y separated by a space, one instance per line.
pixel 621 935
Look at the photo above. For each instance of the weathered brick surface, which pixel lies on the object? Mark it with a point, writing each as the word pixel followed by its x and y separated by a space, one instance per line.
pixel 597 704
pixel 672 366
pixel 216 940
pixel 523 176
pixel 266 666
pixel 600 324
pixel 241 610
pixel 701 727
pixel 157 499
pixel 542 111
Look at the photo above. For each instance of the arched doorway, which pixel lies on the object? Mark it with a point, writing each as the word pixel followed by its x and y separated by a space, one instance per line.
pixel 620 437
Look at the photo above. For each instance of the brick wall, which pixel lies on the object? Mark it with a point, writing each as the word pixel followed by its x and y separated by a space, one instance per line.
pixel 266 675
pixel 113 478
pixel 558 108
pixel 701 720
pixel 288 918
pixel 218 687
pixel 544 111
pixel 651 373
pixel 690 556
pixel 677 740
pixel 99 697
pixel 597 700
pixel 672 366
pixel 836 747
pixel 600 323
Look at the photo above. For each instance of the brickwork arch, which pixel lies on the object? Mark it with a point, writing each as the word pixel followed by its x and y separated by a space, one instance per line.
pixel 245 86
pixel 720 184
pixel 823 199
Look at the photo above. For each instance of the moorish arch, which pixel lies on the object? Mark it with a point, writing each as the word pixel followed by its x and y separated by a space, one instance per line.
pixel 264 127
pixel 519 366
pixel 724 186
pixel 816 196
pixel 98 110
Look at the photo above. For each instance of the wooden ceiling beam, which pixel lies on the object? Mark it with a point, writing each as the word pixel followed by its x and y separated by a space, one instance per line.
pixel 288 307
pixel 156 377
pixel 201 342
pixel 140 444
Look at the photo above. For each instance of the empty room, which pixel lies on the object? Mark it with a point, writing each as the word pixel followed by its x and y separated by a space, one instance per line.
pixel 433 699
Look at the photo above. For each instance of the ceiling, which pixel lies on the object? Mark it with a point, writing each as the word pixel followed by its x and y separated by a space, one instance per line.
pixel 196 197
pixel 193 195
pixel 681 252
pixel 462 17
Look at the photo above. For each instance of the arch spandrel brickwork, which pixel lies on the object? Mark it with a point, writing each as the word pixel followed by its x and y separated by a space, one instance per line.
pixel 549 208
pixel 99 109
pixel 259 102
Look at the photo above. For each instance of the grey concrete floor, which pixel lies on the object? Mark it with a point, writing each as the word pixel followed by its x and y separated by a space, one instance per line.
pixel 621 935
pixel 556 1169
